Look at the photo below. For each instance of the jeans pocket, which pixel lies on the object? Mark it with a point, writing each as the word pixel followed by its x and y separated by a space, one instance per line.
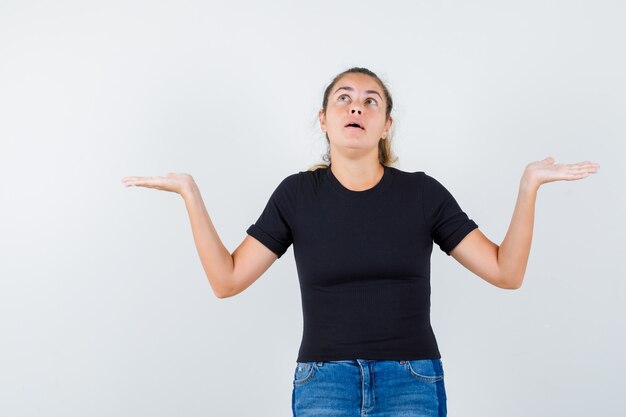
pixel 304 373
pixel 426 370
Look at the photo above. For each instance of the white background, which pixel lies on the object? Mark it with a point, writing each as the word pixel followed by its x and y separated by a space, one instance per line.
pixel 104 306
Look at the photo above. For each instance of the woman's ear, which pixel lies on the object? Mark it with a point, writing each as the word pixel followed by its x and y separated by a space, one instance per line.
pixel 322 118
pixel 388 126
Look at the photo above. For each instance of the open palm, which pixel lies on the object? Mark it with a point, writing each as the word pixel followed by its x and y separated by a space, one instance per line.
pixel 546 170
pixel 173 182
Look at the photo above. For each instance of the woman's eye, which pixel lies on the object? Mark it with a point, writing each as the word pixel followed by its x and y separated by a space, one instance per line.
pixel 341 97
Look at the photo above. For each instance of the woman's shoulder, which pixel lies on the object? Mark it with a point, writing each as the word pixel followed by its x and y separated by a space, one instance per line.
pixel 313 173
pixel 403 172
pixel 407 175
pixel 294 181
pixel 420 175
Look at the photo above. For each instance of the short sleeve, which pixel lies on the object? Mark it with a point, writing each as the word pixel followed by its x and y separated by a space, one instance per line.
pixel 274 226
pixel 448 224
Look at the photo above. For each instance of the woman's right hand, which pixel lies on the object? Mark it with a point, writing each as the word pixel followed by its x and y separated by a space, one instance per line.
pixel 173 182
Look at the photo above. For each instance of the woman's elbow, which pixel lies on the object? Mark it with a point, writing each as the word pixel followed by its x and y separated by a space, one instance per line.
pixel 512 284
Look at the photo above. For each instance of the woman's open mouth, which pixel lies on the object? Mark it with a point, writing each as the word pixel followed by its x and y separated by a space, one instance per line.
pixel 354 126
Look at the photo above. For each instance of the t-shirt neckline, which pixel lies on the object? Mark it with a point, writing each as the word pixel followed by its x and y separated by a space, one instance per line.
pixel 372 191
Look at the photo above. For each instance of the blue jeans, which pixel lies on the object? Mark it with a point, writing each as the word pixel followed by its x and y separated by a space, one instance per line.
pixel 369 388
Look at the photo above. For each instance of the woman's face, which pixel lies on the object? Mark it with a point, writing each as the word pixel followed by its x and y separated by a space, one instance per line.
pixel 355 98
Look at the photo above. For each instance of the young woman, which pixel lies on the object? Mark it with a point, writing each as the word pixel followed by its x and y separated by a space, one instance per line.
pixel 363 232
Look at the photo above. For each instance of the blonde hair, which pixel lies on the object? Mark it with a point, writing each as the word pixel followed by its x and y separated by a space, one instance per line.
pixel 386 155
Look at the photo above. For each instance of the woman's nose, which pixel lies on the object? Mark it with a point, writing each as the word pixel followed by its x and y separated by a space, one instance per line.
pixel 355 110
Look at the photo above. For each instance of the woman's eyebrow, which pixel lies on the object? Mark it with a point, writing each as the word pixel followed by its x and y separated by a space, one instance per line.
pixel 352 89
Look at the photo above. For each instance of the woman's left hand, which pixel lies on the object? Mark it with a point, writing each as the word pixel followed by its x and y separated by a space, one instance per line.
pixel 541 172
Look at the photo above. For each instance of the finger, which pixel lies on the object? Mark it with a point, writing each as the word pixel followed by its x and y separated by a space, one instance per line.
pixel 140 181
pixel 583 166
pixel 588 164
pixel 579 175
pixel 129 180
pixel 579 166
pixel 576 167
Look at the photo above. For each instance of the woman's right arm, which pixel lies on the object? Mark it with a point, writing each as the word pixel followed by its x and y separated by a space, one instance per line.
pixel 229 274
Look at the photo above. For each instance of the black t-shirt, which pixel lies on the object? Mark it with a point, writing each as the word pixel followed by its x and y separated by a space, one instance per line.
pixel 363 260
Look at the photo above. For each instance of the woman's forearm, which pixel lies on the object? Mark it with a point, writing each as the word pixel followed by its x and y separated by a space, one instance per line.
pixel 515 248
pixel 216 260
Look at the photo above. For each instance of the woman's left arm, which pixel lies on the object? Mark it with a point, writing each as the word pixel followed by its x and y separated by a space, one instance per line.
pixel 504 266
